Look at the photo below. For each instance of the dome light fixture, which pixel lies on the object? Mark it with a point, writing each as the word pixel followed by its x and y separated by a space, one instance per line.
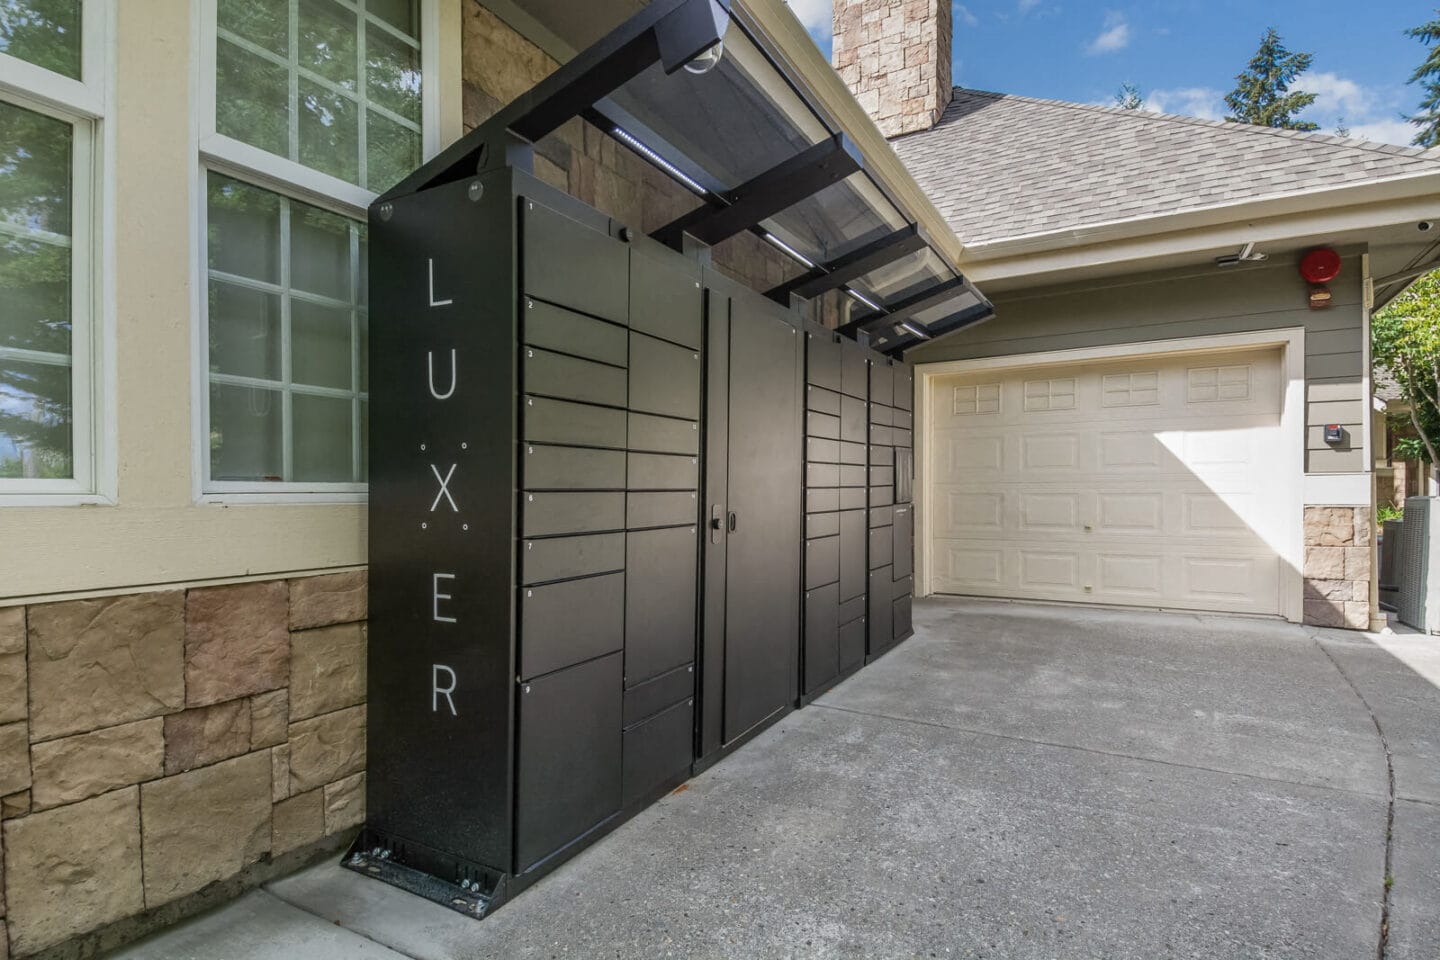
pixel 708 60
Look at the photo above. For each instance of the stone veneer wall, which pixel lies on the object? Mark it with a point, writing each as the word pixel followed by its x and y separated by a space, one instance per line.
pixel 1339 548
pixel 155 746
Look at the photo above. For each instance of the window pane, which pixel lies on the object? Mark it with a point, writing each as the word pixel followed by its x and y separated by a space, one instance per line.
pixel 244 331
pixel 327 41
pixel 244 235
pixel 392 73
pixel 364 441
pixel 265 23
pixel 319 252
pixel 393 151
pixel 43 32
pixel 329 132
pixel 246 433
pixel 35 421
pixel 292 80
pixel 291 324
pixel 364 280
pixel 322 439
pixel 401 14
pixel 252 99
pixel 34 295
pixel 320 338
pixel 36 393
pixel 363 334
pixel 35 163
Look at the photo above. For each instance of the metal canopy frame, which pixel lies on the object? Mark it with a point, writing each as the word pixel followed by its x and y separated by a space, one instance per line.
pixel 761 197
pixel 672 33
pixel 851 266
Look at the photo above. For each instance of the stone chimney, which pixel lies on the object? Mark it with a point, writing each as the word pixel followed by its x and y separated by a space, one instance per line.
pixel 895 57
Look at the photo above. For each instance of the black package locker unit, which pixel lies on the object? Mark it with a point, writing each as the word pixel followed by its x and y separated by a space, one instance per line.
pixel 891 523
pixel 623 516
pixel 535 474
pixel 858 512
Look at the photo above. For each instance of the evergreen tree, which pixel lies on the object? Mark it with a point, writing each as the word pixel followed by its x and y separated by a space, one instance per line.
pixel 1428 76
pixel 1128 97
pixel 1262 93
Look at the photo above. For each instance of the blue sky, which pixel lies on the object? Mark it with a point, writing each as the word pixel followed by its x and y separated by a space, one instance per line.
pixel 1184 54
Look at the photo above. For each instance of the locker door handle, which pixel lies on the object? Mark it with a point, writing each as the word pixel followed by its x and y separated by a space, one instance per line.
pixel 717 524
pixel 732 521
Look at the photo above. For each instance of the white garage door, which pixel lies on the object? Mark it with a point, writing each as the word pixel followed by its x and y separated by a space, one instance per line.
pixel 1158 482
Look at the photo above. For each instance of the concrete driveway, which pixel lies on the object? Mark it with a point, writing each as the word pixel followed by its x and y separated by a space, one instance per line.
pixel 1017 781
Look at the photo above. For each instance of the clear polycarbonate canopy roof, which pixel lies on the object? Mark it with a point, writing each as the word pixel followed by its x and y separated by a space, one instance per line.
pixel 742 137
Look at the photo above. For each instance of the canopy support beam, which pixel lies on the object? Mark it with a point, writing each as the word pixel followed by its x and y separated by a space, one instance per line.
pixel 779 188
pixel 857 263
pixel 668 32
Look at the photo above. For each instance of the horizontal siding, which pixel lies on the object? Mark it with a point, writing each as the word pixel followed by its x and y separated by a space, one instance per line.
pixel 1175 304
pixel 1318 391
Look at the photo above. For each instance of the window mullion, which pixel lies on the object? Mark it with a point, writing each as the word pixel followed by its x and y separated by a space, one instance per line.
pixel 355 347
pixel 287 431
pixel 362 100
pixel 292 79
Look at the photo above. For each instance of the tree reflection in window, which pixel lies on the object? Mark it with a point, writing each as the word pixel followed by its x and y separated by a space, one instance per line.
pixel 35 293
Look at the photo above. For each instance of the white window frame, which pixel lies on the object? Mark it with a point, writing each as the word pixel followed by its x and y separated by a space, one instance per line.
pixel 84 104
pixel 292 180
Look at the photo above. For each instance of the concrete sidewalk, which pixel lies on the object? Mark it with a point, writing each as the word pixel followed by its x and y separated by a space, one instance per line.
pixel 1016 781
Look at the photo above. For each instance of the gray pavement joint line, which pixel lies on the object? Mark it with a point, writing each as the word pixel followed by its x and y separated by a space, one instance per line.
pixel 1103 753
pixel 264 888
pixel 1388 879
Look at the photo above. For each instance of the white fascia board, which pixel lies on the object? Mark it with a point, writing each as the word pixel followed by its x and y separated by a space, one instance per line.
pixel 1340 210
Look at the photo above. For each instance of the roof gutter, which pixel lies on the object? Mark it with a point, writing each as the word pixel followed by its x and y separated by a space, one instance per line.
pixel 1339 209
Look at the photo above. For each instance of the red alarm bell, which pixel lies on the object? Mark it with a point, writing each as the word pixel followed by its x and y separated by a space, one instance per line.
pixel 1319 267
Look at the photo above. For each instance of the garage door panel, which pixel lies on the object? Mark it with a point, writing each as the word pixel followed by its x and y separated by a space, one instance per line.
pixel 1130 450
pixel 1131 576
pixel 974 456
pixel 964 513
pixel 1231 583
pixel 1209 514
pixel 1131 512
pixel 1049 512
pixel 1050 452
pixel 1049 569
pixel 970 568
pixel 1156 482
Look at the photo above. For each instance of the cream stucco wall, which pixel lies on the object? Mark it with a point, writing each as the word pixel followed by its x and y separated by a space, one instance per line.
pixel 148 527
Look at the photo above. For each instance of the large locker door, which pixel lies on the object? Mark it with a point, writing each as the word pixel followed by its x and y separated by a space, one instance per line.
pixel 762 567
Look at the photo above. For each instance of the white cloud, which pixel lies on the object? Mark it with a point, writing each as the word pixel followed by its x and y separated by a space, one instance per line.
pixel 1115 36
pixel 1027 5
pixel 963 14
pixel 1399 132
pixel 1370 113
pixel 1203 102
pixel 816 15
pixel 1337 96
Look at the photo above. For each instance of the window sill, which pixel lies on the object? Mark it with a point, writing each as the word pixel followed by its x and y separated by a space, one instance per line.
pixel 309 497
pixel 55 500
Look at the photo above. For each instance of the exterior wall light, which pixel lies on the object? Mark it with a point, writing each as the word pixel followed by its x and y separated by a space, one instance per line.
pixel 708 60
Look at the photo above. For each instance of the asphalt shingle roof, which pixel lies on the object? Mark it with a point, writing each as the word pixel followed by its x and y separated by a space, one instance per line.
pixel 1000 166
